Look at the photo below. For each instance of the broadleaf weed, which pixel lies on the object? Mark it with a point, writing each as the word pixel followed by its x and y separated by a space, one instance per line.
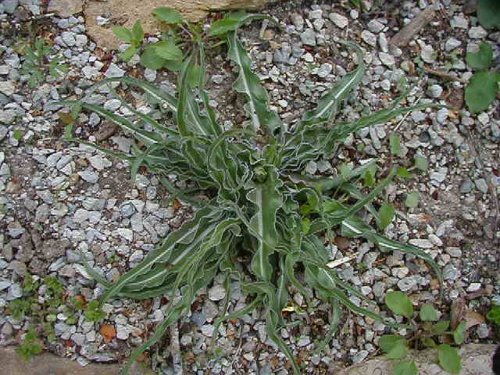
pixel 257 198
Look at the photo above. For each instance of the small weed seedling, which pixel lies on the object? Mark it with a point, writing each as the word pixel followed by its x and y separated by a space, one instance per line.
pixel 37 66
pixel 42 316
pixel 31 345
pixel 260 219
pixel 427 331
pixel 484 84
pixel 494 315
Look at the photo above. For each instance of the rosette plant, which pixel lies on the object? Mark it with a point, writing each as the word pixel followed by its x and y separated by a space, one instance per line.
pixel 258 218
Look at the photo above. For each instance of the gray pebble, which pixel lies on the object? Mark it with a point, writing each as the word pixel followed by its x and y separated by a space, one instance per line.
pixel 68 38
pixel 7 87
pixel 339 20
pixel 450 272
pixel 435 91
pixel 451 44
pixel 481 185
pixel 477 32
pixel 216 293
pixel 9 6
pixel 466 186
pixel 369 38
pixel 297 21
pixel 324 70
pixel 375 26
pixel 114 71
pixel 89 176
pixel 308 37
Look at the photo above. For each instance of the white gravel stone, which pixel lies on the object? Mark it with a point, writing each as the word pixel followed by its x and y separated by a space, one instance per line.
pixel 114 71
pixel 126 233
pixel 474 287
pixel 435 91
pixel 459 22
pixel 7 87
pixel 324 70
pixel 386 59
pixel 308 37
pixel 216 293
pixel 477 32
pixel 375 26
pixel 369 38
pixel 451 44
pixel 339 20
pixel 68 38
pixel 89 176
pixel 421 242
pixel 428 54
pixel 98 162
pixel 315 14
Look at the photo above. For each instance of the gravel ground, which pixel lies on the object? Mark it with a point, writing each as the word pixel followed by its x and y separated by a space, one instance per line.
pixel 60 200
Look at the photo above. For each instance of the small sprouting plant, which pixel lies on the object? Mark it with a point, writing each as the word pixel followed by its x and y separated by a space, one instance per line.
pixel 484 84
pixel 31 345
pixel 93 312
pixel 162 54
pixel 427 331
pixel 494 315
pixel 38 66
pixel 133 36
pixel 259 218
pixel 19 308
pixel 488 12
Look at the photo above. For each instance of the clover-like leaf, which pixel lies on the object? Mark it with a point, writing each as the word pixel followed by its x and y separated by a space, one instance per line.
pixel 150 59
pixel 421 163
pixel 488 12
pixel 128 53
pixel 123 33
pixel 399 303
pixel 167 50
pixel 389 342
pixel 459 333
pixel 440 327
pixel 168 15
pixel 412 199
pixel 405 368
pixel 428 313
pixel 494 314
pixel 386 215
pixel 481 59
pixel 481 91
pixel 395 144
pixel 137 33
pixel 449 359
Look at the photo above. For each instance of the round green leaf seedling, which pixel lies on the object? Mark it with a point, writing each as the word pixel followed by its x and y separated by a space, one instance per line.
pixel 386 213
pixel 412 199
pixel 449 359
pixel 405 368
pixel 481 91
pixel 481 59
pixel 168 15
pixel 399 304
pixel 428 313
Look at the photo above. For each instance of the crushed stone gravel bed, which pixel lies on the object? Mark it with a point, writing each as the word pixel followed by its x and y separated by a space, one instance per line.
pixel 60 201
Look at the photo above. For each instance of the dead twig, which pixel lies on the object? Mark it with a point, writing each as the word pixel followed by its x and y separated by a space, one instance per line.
pixel 407 33
pixel 443 74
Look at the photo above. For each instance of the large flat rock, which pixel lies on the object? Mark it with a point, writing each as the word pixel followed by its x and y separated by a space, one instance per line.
pixel 126 12
pixel 49 364
pixel 476 360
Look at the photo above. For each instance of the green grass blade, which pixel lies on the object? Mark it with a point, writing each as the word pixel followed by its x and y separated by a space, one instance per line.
pixel 328 105
pixel 267 200
pixel 248 83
